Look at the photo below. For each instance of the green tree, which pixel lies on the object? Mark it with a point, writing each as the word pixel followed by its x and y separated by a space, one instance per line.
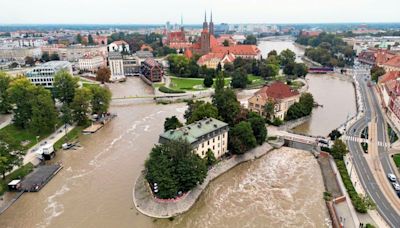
pixel 208 81
pixel 81 106
pixel 250 39
pixel 239 80
pixel 100 99
pixel 219 82
pixel 90 40
pixel 269 70
pixel 339 149
pixel 29 61
pixel 241 138
pixel 258 126
pixel 272 53
pixel 201 111
pixel 44 114
pixel 10 154
pixel 45 57
pixel 79 39
pixel 227 104
pixel 65 86
pixel 269 109
pixel 302 108
pixel 54 56
pixel 66 114
pixel 287 56
pixel 225 43
pixel 376 72
pixel 103 75
pixel 5 104
pixel 300 69
pixel 172 123
pixel 288 69
pixel 21 94
pixel 210 158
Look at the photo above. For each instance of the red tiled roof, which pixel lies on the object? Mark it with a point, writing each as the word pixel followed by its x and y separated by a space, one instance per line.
pixel 188 53
pixel 389 76
pixel 238 49
pixel 210 56
pixel 120 42
pixel 277 91
pixel 180 45
pixel 394 62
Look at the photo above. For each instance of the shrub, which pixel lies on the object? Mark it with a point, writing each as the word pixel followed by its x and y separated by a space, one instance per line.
pixel 169 90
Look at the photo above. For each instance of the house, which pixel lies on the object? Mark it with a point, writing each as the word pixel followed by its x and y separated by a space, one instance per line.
pixel 44 75
pixel 207 134
pixel 211 60
pixel 118 46
pixel 279 93
pixel 152 70
pixel 393 64
pixel 386 85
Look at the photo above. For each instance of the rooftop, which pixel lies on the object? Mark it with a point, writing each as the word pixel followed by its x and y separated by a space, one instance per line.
pixel 56 65
pixel 193 131
pixel 277 90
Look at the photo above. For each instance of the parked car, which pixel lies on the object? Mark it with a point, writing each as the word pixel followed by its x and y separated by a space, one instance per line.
pixel 391 177
pixel 396 186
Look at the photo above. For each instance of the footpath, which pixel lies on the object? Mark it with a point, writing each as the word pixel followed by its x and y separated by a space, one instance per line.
pixel 148 205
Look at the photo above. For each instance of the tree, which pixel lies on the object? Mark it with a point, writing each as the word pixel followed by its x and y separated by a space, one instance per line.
pixel 225 43
pixel 66 114
pixel 219 82
pixel 21 94
pixel 45 57
pixel 172 123
pixel 300 69
pixel 302 108
pixel 10 154
pixel 44 114
pixel 269 70
pixel 65 86
pixel 239 79
pixel 250 39
pixel 81 106
pixel 204 110
pixel 29 61
pixel 376 72
pixel 210 158
pixel 269 109
pixel 289 68
pixel 5 104
pixel 272 53
pixel 90 40
pixel 258 126
pixel 100 99
pixel 241 138
pixel 208 81
pixel 174 167
pixel 103 75
pixel 335 134
pixel 54 56
pixel 339 149
pixel 227 104
pixel 79 39
pixel 287 56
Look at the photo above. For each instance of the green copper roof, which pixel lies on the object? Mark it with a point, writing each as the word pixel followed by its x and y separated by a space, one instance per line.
pixel 195 130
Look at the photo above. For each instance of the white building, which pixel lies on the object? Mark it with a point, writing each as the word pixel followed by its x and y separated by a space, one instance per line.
pixel 91 63
pixel 116 64
pixel 44 75
pixel 207 134
pixel 118 46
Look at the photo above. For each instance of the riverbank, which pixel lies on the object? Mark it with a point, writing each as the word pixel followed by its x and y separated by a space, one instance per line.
pixel 146 203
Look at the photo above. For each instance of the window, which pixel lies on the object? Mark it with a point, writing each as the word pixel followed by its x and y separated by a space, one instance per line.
pixel 218 137
pixel 202 153
pixel 213 140
pixel 213 147
pixel 202 145
pixel 208 142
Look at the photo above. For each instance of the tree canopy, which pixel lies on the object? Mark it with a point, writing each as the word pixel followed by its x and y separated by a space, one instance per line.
pixel 241 138
pixel 172 123
pixel 5 104
pixel 64 86
pixel 302 108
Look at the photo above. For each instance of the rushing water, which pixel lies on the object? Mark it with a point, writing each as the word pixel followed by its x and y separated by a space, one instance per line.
pixel 337 96
pixel 280 45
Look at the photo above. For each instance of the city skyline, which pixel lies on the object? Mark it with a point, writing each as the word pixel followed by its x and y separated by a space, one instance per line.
pixel 127 12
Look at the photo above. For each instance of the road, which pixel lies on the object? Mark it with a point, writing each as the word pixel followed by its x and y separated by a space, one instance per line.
pixel 368 181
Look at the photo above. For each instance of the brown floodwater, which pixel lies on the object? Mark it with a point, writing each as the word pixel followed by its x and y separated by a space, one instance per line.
pixel 94 189
pixel 337 96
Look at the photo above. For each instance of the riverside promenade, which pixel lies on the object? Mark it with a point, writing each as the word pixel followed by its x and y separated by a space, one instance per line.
pixel 148 205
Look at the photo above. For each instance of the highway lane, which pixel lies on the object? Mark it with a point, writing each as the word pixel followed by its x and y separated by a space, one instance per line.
pixel 363 170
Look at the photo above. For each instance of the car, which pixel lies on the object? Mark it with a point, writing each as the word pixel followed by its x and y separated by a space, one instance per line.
pixel 396 186
pixel 391 177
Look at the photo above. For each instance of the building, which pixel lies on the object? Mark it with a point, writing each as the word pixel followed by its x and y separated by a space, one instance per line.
pixel 44 75
pixel 152 70
pixel 119 46
pixel 207 134
pixel 279 93
pixel 211 60
pixel 393 64
pixel 131 65
pixel 116 64
pixel 97 39
pixel 91 63
pixel 386 86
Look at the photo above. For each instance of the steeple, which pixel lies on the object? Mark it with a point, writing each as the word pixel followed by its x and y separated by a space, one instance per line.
pixel 211 25
pixel 182 23
pixel 205 24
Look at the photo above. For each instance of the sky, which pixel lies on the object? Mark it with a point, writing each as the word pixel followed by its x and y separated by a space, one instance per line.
pixel 227 11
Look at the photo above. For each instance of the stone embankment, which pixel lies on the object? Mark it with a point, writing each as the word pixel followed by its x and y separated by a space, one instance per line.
pixel 148 205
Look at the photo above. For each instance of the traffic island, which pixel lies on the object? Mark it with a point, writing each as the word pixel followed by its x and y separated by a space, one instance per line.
pixel 147 204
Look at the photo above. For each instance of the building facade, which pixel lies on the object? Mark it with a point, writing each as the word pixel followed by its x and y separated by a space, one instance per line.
pixel 116 64
pixel 207 134
pixel 152 70
pixel 91 63
pixel 44 75
pixel 280 94
pixel 119 46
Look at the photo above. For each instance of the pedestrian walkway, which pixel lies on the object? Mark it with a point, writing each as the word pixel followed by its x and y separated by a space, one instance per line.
pixel 362 140
pixel 5 120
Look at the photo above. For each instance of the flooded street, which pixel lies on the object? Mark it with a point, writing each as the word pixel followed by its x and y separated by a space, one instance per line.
pixel 338 99
pixel 95 187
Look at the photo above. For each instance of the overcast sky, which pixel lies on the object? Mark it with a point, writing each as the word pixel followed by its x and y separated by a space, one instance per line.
pixel 229 11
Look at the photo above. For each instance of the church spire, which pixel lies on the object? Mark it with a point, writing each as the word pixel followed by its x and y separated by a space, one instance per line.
pixel 182 23
pixel 205 24
pixel 211 27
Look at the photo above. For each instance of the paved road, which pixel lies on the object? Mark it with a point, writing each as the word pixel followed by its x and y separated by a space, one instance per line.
pixel 363 170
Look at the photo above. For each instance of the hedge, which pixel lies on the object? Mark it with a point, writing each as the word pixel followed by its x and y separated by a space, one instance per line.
pixel 169 90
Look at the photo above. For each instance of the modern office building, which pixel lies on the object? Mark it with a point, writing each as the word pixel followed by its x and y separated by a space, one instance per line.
pixel 44 75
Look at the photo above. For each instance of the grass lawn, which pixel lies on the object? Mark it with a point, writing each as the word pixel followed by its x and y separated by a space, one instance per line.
pixel 296 85
pixel 190 84
pixel 157 85
pixel 256 80
pixel 396 159
pixel 72 135
pixel 17 174
pixel 22 136
pixel 89 85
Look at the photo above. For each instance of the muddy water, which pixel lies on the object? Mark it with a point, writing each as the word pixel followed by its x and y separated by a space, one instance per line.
pixel 337 96
pixel 280 45
pixel 95 187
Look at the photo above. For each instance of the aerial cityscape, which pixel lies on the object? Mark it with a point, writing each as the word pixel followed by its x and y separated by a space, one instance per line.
pixel 200 114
